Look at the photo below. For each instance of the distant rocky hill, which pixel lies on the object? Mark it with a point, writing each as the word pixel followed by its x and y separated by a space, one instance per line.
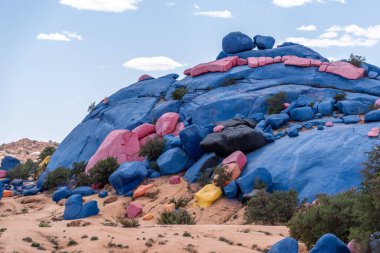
pixel 24 149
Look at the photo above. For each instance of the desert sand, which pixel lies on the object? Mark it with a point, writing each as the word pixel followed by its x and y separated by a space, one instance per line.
pixel 20 218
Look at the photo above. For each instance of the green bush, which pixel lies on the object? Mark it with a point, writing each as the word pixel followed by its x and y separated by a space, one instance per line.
pixel 181 202
pixel 356 60
pixel 91 107
pixel 127 223
pixel 179 93
pixel 102 170
pixel 205 177
pixel 221 176
pixel 48 151
pixel 82 178
pixel 271 208
pixel 340 97
pixel 23 171
pixel 276 103
pixel 177 217
pixel 153 148
pixel 57 177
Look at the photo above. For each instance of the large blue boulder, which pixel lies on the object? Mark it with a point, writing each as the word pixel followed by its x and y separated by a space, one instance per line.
pixel 128 176
pixel 247 181
pixel 352 107
pixel 302 114
pixel 17 182
pixel 351 119
pixel 264 42
pixel 9 162
pixel 191 137
pixel 277 121
pixel 329 243
pixel 84 191
pixel 30 192
pixel 208 160
pixel 326 108
pixel 61 193
pixel 74 208
pixel 288 245
pixel 231 190
pixel 172 161
pixel 372 116
pixel 236 42
pixel 171 141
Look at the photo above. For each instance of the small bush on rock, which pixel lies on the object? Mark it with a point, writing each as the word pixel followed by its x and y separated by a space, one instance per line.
pixel 356 60
pixel 23 171
pixel 153 148
pixel 179 93
pixel 269 209
pixel 340 97
pixel 102 170
pixel 276 103
pixel 205 178
pixel 181 202
pixel 221 176
pixel 177 217
pixel 48 151
pixel 91 107
pixel 82 178
pixel 58 177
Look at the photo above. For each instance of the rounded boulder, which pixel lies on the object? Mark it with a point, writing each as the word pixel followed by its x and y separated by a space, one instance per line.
pixel 236 42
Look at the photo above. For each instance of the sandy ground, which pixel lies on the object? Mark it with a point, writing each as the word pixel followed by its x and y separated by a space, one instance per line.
pixel 219 228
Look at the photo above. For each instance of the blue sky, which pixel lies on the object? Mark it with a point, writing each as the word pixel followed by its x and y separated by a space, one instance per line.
pixel 58 56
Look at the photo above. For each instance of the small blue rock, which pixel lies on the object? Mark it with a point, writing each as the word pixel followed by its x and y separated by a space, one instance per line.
pixel 320 127
pixel 302 114
pixel 103 194
pixel 329 243
pixel 269 138
pixel 231 190
pixel 351 119
pixel 293 132
pixel 61 193
pixel 372 116
pixel 372 74
pixel 264 42
pixel 288 245
pixel 84 191
pixel 276 121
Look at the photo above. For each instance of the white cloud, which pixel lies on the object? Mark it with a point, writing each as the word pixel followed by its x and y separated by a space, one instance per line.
pixel 332 59
pixel 294 3
pixel 102 5
pixel 214 14
pixel 307 28
pixel 196 6
pixel 158 63
pixel 63 36
pixel 171 4
pixel 343 36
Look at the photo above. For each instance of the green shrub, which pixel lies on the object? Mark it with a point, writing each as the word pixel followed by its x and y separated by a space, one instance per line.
pixel 82 178
pixel 179 93
pixel 181 202
pixel 57 177
pixel 23 171
pixel 153 148
pixel 269 209
pixel 356 60
pixel 276 103
pixel 127 223
pixel 91 107
pixel 340 97
pixel 102 170
pixel 205 177
pixel 221 176
pixel 48 151
pixel 177 217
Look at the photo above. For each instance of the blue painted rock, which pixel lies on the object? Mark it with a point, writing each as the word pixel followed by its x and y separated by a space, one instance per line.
pixel 84 191
pixel 191 137
pixel 206 161
pixel 329 243
pixel 61 193
pixel 9 162
pixel 128 176
pixel 302 114
pixel 372 116
pixel 231 190
pixel 30 192
pixel 17 182
pixel 352 107
pixel 293 132
pixel 277 121
pixel 288 245
pixel 74 208
pixel 269 138
pixel 236 42
pixel 172 161
pixel 247 181
pixel 351 119
pixel 264 42
pixel 325 108
pixel 103 194
pixel 171 141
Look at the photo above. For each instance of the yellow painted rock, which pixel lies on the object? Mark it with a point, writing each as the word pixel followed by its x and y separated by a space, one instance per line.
pixel 148 216
pixel 207 195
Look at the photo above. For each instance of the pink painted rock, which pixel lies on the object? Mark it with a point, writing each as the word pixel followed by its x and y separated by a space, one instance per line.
pixel 105 100
pixel 297 61
pixel 377 103
pixel 268 60
pixel 353 247
pixel 187 72
pixel 134 209
pixel 121 144
pixel 144 140
pixel 3 174
pixel 241 62
pixel 286 57
pixel 166 123
pixel 178 128
pixel 175 180
pixel 329 124
pixel 286 105
pixel 236 157
pixel 323 68
pixel 253 62
pixel 261 61
pixel 218 129
pixel 373 133
pixel 221 65
pixel 144 130
pixel 376 129
pixel 316 63
pixel 144 77
pixel 277 59
pixel 346 70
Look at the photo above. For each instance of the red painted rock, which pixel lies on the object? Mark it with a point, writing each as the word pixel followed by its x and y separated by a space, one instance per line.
pixel 175 180
pixel 277 59
pixel 144 140
pixel 3 174
pixel 241 62
pixel 329 124
pixel 377 103
pixel 178 128
pixel 268 60
pixel 346 70
pixel 144 77
pixel 187 72
pixel 134 210
pixel 236 157
pixel 323 68
pixel 166 123
pixel 286 105
pixel 144 130
pixel 373 133
pixel 353 246
pixel 297 61
pixel 253 62
pixel 261 61
pixel 218 129
pixel 221 65
pixel 316 63
pixel 121 144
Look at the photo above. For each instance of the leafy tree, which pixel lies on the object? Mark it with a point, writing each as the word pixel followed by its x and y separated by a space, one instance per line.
pixel 23 171
pixel 48 151
pixel 103 169
pixel 221 176
pixel 276 103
